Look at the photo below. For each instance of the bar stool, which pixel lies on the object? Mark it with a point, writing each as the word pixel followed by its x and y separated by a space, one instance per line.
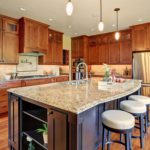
pixel 143 99
pixel 138 110
pixel 119 122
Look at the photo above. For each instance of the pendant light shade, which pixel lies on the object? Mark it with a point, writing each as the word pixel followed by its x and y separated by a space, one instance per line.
pixel 101 23
pixel 117 34
pixel 69 8
pixel 101 26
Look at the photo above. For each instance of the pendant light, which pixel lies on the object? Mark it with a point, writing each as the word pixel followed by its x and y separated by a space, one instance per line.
pixel 101 24
pixel 69 8
pixel 117 34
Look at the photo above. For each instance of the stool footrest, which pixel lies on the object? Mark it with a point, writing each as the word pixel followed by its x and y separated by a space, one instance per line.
pixel 114 141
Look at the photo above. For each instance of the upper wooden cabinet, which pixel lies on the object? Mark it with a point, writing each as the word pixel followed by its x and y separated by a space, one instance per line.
pixel 54 53
pixel 103 49
pixel 80 47
pixel 10 26
pixel 33 36
pixel 141 37
pixel 126 47
pixel 1 41
pixel 93 51
pixel 9 40
pixel 114 50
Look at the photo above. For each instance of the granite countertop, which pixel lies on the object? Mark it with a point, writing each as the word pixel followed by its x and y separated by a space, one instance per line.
pixel 77 98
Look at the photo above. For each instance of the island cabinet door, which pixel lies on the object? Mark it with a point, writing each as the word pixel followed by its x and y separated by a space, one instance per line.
pixel 57 130
pixel 13 123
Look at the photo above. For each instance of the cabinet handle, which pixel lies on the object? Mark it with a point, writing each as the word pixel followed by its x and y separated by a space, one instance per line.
pixel 50 112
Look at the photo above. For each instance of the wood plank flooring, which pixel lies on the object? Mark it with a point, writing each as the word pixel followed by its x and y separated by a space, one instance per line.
pixel 4 137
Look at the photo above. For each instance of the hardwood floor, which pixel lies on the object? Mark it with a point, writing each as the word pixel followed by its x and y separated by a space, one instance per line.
pixel 4 137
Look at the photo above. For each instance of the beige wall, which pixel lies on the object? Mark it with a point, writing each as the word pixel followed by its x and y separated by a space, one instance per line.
pixel 66 42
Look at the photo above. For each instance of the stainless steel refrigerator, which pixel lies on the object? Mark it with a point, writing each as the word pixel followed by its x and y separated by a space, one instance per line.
pixel 141 69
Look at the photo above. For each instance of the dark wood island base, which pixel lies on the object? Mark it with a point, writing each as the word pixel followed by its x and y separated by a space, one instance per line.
pixel 66 130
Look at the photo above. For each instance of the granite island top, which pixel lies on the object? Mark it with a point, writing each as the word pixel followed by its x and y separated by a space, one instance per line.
pixel 77 98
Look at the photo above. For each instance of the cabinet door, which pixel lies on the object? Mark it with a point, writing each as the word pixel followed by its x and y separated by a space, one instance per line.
pixel 1 39
pixel 14 122
pixel 93 51
pixel 43 38
pixel 57 130
pixel 10 26
pixel 74 45
pixel 29 34
pixel 139 38
pixel 10 47
pixel 58 54
pixel 103 49
pixel 148 36
pixel 126 48
pixel 114 51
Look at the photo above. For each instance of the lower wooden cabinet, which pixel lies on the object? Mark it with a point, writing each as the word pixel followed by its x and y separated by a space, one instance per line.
pixel 14 84
pixel 14 127
pixel 4 95
pixel 57 125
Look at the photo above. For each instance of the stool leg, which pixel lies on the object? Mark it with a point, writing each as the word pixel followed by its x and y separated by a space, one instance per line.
pixel 148 115
pixel 127 142
pixel 146 123
pixel 108 139
pixel 103 138
pixel 130 138
pixel 141 131
pixel 121 137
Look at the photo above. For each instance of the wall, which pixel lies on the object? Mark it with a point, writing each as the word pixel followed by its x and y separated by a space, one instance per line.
pixel 66 42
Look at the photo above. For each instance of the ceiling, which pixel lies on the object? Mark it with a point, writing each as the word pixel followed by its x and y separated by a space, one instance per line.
pixel 85 18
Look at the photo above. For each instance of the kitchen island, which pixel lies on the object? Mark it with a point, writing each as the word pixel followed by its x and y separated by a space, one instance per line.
pixel 72 110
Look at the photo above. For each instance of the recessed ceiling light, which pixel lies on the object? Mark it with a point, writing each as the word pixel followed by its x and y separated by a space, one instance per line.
pixel 75 33
pixel 22 9
pixel 139 20
pixel 69 26
pixel 113 25
pixel 50 19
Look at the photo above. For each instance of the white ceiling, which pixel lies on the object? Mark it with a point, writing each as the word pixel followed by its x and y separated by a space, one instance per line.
pixel 85 18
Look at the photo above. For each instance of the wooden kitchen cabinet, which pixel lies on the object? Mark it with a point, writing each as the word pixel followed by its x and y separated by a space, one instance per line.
pixel 1 37
pixel 62 78
pixel 139 37
pixel 114 50
pixel 14 127
pixel 80 47
pixel 9 46
pixel 4 96
pixel 33 36
pixel 57 133
pixel 148 36
pixel 54 55
pixel 126 48
pixel 93 55
pixel 103 49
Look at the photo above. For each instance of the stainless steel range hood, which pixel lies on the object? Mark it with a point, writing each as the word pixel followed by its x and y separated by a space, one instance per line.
pixel 36 54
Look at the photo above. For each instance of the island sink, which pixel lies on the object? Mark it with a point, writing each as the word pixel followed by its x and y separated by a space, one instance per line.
pixel 71 113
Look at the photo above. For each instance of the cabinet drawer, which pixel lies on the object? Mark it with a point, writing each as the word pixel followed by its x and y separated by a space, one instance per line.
pixel 3 106
pixel 62 79
pixel 36 82
pixel 12 84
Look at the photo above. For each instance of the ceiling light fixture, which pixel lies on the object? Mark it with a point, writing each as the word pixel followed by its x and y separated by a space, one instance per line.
pixel 139 20
pixel 117 34
pixel 22 9
pixel 101 24
pixel 69 8
pixel 50 19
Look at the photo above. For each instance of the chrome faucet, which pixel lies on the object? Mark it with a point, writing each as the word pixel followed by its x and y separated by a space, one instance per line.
pixel 82 63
